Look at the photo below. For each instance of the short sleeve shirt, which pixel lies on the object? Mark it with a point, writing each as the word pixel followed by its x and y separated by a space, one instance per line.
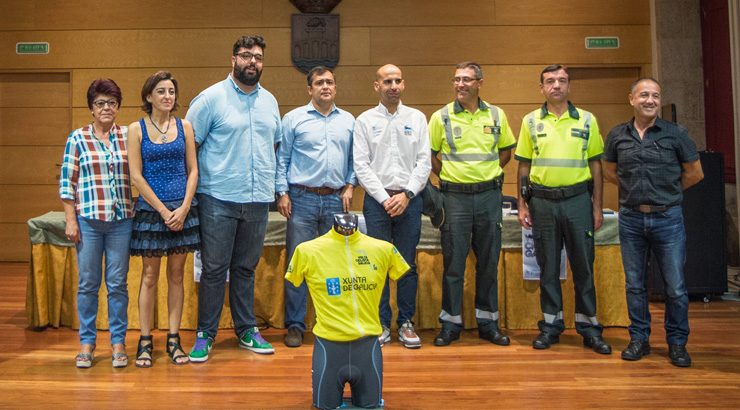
pixel 345 276
pixel 564 145
pixel 649 169
pixel 473 139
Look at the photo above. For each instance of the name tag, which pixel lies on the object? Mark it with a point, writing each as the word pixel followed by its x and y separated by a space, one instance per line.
pixel 491 129
pixel 579 133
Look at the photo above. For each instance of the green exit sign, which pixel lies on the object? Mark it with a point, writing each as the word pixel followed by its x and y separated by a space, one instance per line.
pixel 602 42
pixel 32 48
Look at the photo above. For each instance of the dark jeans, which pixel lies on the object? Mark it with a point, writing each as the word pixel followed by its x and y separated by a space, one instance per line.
pixel 662 233
pixel 312 215
pixel 471 220
pixel 404 232
pixel 232 236
pixel 566 221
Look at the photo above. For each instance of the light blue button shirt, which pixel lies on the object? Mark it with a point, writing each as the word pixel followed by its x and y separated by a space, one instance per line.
pixel 315 150
pixel 236 133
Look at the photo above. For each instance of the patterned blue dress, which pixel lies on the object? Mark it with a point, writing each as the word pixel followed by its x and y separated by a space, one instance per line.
pixel 165 170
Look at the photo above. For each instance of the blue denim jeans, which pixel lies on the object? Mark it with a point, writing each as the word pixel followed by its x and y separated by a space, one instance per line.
pixel 312 215
pixel 662 233
pixel 232 236
pixel 98 239
pixel 402 231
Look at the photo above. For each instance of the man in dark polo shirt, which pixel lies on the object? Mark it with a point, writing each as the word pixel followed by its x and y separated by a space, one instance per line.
pixel 653 161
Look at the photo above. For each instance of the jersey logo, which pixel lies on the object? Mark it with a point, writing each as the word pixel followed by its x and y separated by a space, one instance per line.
pixel 362 260
pixel 458 132
pixel 407 130
pixel 333 288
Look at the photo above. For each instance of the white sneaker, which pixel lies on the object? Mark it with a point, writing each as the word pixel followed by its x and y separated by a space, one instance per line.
pixel 408 336
pixel 385 337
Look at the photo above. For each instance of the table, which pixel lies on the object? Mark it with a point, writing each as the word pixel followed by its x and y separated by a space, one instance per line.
pixel 52 281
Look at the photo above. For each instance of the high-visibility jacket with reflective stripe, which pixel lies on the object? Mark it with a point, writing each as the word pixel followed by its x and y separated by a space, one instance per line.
pixel 559 149
pixel 469 143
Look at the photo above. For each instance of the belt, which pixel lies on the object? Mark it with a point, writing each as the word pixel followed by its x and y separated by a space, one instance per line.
pixel 646 209
pixel 474 188
pixel 392 192
pixel 324 190
pixel 540 191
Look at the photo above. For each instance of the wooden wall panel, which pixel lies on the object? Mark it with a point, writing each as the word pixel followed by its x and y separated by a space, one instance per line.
pixel 161 48
pixel 30 165
pixel 15 243
pixel 53 92
pixel 91 14
pixel 574 12
pixel 34 126
pixel 508 45
pixel 23 202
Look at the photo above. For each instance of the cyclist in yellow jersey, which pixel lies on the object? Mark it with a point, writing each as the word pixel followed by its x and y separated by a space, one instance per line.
pixel 559 151
pixel 345 272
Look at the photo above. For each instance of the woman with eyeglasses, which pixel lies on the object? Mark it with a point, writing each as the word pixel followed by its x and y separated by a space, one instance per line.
pixel 164 170
pixel 96 195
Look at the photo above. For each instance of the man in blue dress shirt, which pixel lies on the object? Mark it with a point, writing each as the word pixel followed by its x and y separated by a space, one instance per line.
pixel 314 179
pixel 237 124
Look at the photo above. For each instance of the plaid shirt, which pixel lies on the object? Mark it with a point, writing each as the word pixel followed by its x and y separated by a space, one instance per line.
pixel 95 176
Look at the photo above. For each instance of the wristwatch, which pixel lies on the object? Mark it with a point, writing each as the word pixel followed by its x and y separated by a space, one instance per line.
pixel 279 194
pixel 409 193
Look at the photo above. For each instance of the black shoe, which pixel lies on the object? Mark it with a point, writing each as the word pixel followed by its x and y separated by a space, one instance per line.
pixel 679 356
pixel 495 336
pixel 445 337
pixel 598 344
pixel 636 350
pixel 544 340
pixel 438 218
pixel 294 337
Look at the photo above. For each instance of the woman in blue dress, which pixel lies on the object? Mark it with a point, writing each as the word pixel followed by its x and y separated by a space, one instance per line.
pixel 164 170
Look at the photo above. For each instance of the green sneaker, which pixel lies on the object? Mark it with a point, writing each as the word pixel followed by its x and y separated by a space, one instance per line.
pixel 201 348
pixel 253 340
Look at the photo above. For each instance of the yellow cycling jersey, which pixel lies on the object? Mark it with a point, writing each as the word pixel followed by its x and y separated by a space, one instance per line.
pixel 469 143
pixel 559 149
pixel 345 276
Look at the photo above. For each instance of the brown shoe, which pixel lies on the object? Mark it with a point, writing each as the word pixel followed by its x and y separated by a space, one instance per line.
pixel 294 337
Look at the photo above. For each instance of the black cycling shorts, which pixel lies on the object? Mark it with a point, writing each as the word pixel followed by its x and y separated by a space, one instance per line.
pixel 359 362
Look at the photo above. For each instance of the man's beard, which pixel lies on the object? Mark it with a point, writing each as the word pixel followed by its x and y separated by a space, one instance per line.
pixel 240 73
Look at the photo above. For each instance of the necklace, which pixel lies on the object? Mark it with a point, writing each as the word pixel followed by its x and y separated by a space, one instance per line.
pixel 163 134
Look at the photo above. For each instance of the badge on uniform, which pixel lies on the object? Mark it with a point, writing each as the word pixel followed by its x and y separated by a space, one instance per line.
pixel 407 130
pixel 579 133
pixel 491 129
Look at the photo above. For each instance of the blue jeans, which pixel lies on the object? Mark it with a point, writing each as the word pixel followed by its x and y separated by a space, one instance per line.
pixel 402 231
pixel 664 234
pixel 232 236
pixel 98 238
pixel 312 215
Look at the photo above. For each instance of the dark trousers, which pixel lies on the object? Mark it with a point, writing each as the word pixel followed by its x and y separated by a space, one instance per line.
pixel 232 235
pixel 566 221
pixel 471 220
pixel 404 232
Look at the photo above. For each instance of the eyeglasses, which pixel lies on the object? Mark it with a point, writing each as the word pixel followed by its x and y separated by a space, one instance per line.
pixel 247 56
pixel 113 104
pixel 464 80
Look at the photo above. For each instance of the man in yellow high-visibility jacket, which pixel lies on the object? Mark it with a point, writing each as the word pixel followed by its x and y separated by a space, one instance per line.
pixel 471 142
pixel 559 151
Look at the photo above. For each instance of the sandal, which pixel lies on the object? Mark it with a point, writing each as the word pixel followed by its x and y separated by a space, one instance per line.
pixel 144 351
pixel 120 359
pixel 174 350
pixel 85 360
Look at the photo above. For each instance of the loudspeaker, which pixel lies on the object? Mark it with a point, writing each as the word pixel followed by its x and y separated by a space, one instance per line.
pixel 704 217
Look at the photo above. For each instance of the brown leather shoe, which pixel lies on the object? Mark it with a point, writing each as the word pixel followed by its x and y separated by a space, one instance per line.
pixel 294 337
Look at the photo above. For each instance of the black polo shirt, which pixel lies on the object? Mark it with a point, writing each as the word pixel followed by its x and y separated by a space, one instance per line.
pixel 649 170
